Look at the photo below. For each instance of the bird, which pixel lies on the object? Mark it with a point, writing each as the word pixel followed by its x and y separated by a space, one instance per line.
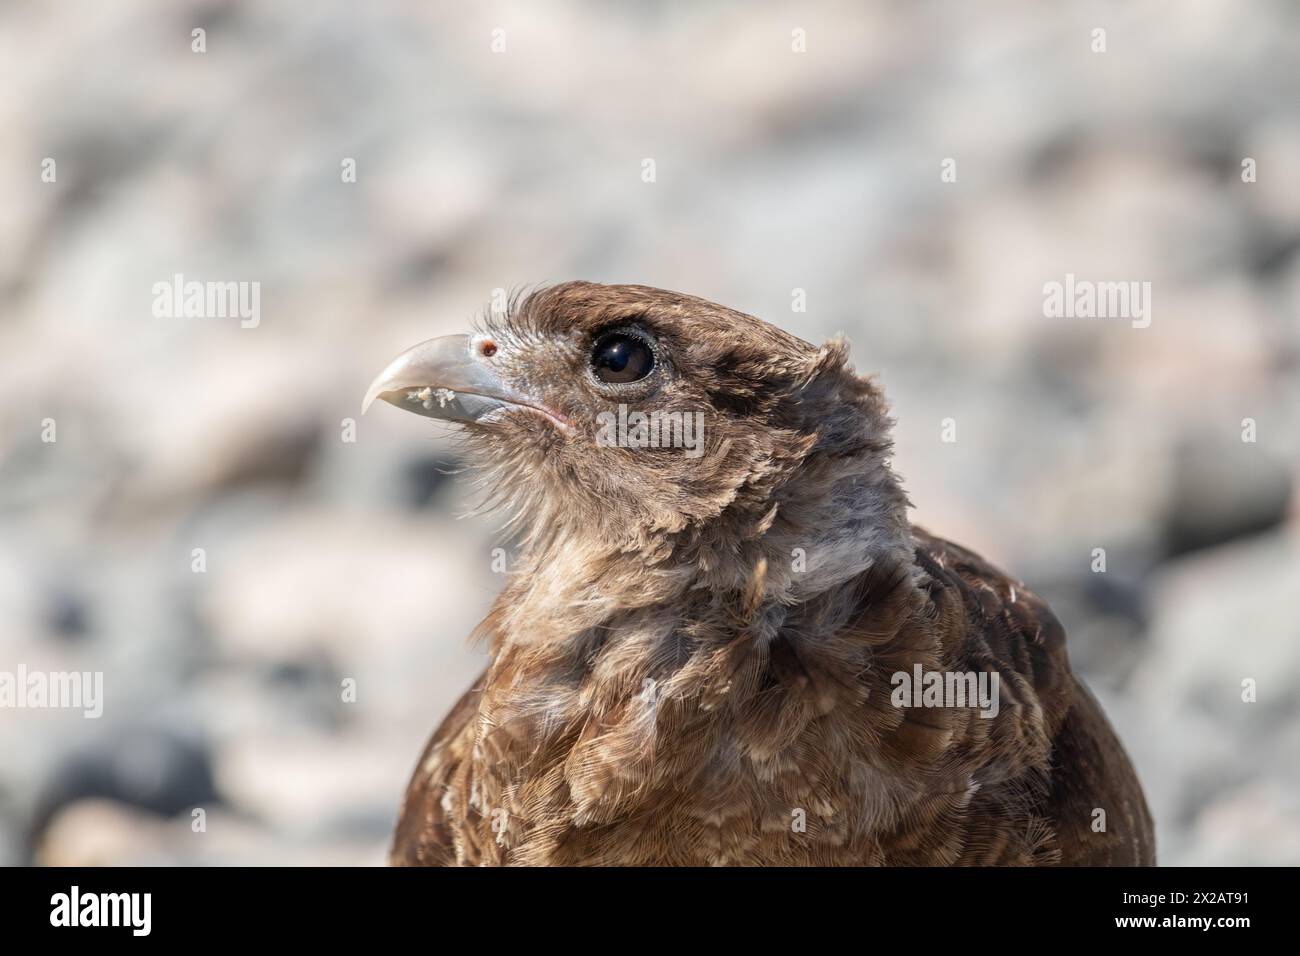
pixel 732 647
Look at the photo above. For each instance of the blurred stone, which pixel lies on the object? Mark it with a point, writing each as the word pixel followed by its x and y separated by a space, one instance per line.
pixel 310 684
pixel 1224 489
pixel 100 832
pixel 428 476
pixel 297 782
pixel 105 833
pixel 1255 825
pixel 1220 618
pixel 147 768
pixel 13 851
pixel 388 597
pixel 68 615
pixel 1106 618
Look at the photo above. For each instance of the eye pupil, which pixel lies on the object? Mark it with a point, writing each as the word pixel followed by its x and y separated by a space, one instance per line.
pixel 620 357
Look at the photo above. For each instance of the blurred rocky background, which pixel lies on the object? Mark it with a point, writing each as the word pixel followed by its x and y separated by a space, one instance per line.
pixel 330 561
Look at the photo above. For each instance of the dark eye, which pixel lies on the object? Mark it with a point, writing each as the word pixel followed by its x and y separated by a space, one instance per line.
pixel 620 357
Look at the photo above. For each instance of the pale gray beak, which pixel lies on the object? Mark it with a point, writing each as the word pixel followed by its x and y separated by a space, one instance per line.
pixel 441 378
pixel 448 378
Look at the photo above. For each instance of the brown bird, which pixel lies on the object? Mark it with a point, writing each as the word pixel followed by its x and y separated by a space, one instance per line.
pixel 724 642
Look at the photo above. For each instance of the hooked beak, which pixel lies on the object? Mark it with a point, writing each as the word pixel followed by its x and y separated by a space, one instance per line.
pixel 449 378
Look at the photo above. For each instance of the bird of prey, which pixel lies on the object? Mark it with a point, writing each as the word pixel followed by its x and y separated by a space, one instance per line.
pixel 719 645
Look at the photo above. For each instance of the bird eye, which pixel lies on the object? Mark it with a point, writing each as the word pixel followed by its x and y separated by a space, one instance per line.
pixel 620 357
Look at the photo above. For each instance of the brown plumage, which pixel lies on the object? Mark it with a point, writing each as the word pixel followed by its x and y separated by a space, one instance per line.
pixel 695 659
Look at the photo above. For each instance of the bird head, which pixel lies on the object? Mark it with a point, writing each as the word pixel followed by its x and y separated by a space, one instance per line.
pixel 645 418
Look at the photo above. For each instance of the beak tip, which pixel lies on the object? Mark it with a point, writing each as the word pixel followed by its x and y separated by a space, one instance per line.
pixel 376 390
